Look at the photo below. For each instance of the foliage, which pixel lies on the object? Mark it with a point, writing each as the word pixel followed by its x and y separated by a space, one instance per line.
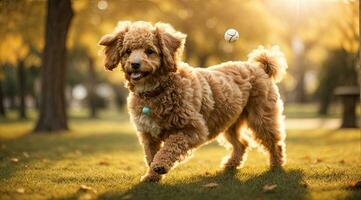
pixel 317 25
pixel 336 71
pixel 22 30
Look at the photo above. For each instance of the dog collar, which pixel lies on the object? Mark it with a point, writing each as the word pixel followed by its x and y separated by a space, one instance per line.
pixel 157 91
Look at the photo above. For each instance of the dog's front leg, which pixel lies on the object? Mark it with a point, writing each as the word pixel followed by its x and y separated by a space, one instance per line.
pixel 151 147
pixel 175 149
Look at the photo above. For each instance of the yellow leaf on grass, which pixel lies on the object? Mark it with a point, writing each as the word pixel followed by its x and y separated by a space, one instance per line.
pixel 86 188
pixel 318 160
pixel 86 196
pixel 269 187
pixel 20 190
pixel 26 155
pixel 211 185
pixel 106 163
pixel 127 196
pixel 356 185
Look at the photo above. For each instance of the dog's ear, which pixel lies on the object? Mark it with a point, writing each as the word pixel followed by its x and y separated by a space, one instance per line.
pixel 171 45
pixel 113 45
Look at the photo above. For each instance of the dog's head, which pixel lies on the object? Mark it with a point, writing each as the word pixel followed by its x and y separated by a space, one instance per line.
pixel 144 51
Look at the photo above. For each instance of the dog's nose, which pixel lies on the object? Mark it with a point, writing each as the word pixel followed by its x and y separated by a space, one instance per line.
pixel 135 65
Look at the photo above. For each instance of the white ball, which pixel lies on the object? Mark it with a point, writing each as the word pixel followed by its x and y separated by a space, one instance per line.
pixel 231 35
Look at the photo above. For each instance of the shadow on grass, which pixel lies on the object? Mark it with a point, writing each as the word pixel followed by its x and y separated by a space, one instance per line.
pixel 290 185
pixel 354 194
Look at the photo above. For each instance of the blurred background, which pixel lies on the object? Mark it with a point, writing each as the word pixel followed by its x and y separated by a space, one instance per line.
pixel 319 38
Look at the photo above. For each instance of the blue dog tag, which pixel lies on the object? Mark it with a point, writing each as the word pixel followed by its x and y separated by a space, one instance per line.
pixel 146 110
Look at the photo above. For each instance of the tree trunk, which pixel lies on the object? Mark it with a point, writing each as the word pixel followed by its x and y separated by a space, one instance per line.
pixel 349 119
pixel 324 105
pixel 91 88
pixel 2 106
pixel 12 102
pixel 53 115
pixel 300 92
pixel 359 61
pixel 21 76
pixel 202 60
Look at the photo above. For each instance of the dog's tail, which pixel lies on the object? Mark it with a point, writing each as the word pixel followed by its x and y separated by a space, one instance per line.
pixel 272 61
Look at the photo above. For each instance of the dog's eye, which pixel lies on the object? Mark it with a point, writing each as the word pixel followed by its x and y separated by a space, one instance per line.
pixel 128 51
pixel 149 51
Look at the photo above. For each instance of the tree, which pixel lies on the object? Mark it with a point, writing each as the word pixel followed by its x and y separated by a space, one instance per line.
pixel 92 81
pixel 53 115
pixel 22 89
pixel 2 105
pixel 359 56
pixel 342 63
pixel 334 72
pixel 20 39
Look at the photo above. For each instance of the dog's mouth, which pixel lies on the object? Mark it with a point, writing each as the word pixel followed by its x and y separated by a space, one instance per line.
pixel 137 75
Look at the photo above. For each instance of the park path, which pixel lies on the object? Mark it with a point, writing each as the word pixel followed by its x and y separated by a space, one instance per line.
pixel 313 123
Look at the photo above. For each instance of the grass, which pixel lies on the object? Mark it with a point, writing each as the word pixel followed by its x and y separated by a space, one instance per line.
pixel 104 154
pixel 310 110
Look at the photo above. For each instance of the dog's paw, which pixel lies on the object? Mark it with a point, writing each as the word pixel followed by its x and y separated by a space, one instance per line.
pixel 229 167
pixel 230 163
pixel 148 178
pixel 160 170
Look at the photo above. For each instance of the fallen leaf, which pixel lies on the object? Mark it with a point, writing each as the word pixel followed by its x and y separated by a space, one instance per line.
pixel 87 196
pixel 269 187
pixel 104 163
pixel 20 190
pixel 127 196
pixel 211 185
pixel 307 158
pixel 86 188
pixel 14 160
pixel 26 155
pixel 318 160
pixel 356 185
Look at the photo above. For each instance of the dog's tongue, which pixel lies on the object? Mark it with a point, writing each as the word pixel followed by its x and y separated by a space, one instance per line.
pixel 136 75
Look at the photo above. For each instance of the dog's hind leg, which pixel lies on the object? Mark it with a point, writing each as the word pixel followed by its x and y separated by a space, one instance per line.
pixel 239 146
pixel 266 122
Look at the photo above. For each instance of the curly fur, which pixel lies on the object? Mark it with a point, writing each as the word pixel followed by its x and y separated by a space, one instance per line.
pixel 196 105
pixel 272 61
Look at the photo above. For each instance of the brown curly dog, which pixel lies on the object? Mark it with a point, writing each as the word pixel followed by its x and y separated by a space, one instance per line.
pixel 176 108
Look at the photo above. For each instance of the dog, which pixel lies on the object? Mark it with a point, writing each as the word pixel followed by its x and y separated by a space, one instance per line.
pixel 177 108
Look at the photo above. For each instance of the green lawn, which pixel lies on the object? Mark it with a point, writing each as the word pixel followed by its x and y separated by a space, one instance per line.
pixel 104 154
pixel 310 110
